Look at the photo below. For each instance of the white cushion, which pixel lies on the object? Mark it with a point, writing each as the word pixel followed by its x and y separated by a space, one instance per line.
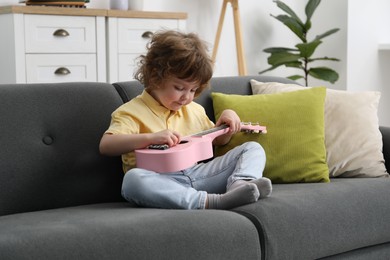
pixel 353 140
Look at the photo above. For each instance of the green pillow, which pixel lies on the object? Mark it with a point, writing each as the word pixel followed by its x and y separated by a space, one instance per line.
pixel 294 144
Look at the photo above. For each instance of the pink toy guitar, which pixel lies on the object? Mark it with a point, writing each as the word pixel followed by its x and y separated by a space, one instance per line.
pixel 192 149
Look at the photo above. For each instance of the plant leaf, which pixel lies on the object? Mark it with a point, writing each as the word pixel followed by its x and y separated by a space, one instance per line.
pixel 269 69
pixel 324 58
pixel 324 73
pixel 332 31
pixel 288 10
pixel 307 25
pixel 294 25
pixel 311 6
pixel 295 64
pixel 307 49
pixel 295 77
pixel 277 59
pixel 279 49
pixel 290 64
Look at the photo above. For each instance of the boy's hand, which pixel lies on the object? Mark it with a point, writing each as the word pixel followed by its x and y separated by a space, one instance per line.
pixel 167 136
pixel 117 144
pixel 230 118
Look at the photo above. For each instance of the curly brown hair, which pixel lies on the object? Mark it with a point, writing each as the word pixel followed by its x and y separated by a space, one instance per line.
pixel 175 54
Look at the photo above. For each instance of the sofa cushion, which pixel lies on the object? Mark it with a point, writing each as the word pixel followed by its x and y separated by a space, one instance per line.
pixel 118 231
pixel 310 221
pixel 294 144
pixel 50 137
pixel 352 137
pixel 381 251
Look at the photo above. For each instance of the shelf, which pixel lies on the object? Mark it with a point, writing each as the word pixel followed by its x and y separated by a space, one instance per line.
pixel 384 46
pixel 90 12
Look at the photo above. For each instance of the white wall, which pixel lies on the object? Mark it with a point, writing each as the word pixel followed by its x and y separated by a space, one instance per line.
pixel 363 24
pixel 368 67
pixel 260 31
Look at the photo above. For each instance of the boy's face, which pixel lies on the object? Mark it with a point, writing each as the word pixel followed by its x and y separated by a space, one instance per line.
pixel 175 93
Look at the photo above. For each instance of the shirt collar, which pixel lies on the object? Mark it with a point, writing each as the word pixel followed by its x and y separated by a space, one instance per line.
pixel 157 108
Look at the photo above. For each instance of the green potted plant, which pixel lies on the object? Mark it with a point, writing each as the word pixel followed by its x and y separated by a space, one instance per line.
pixel 301 57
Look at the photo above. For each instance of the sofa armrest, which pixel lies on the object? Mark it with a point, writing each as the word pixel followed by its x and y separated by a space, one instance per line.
pixel 385 130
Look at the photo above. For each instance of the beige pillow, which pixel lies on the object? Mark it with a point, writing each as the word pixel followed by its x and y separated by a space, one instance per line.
pixel 352 138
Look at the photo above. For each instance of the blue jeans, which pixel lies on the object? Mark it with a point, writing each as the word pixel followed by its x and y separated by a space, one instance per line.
pixel 188 189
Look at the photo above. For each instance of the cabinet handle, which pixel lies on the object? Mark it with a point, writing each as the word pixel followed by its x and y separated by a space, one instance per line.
pixel 147 35
pixel 62 71
pixel 61 33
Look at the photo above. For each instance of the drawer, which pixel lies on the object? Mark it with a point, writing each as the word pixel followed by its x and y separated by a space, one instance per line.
pixel 60 34
pixel 133 32
pixel 60 67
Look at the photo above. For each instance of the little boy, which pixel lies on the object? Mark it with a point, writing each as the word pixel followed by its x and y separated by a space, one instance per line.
pixel 175 70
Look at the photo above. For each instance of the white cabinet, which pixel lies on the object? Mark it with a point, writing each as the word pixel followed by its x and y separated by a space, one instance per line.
pixel 52 48
pixel 127 40
pixel 61 48
pixel 54 44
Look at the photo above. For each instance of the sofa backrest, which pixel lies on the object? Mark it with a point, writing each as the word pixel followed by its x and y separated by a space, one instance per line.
pixel 230 85
pixel 50 133
pixel 49 155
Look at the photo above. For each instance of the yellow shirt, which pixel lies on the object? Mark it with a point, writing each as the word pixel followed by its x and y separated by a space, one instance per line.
pixel 143 114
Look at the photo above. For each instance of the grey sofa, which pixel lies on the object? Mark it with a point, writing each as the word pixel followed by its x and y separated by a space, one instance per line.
pixel 60 199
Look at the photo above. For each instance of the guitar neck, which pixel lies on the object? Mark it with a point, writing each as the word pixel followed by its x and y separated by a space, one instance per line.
pixel 211 130
pixel 222 129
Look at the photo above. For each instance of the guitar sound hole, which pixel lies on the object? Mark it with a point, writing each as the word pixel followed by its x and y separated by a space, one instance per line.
pixel 183 142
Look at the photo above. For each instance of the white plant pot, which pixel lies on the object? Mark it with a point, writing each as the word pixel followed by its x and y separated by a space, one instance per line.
pixel 119 4
pixel 136 5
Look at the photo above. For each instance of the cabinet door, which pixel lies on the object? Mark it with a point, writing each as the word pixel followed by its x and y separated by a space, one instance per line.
pixel 60 34
pixel 127 64
pixel 60 67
